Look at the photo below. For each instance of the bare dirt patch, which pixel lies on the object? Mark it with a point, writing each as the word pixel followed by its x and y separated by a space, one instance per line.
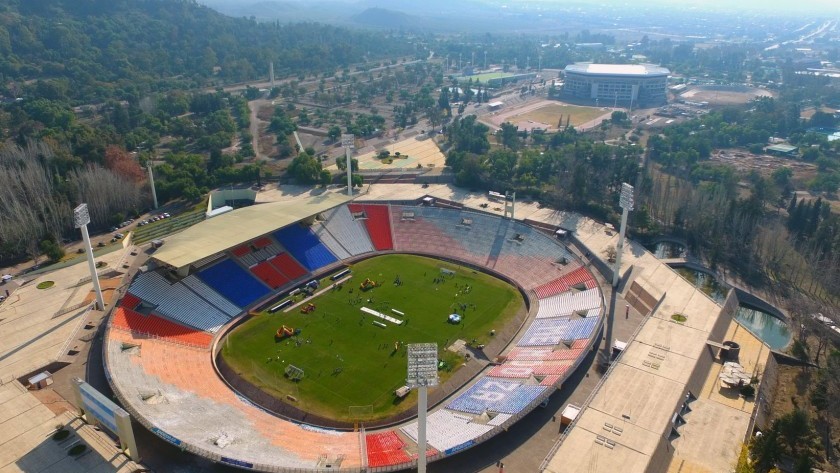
pixel 724 94
pixel 765 164
pixel 547 114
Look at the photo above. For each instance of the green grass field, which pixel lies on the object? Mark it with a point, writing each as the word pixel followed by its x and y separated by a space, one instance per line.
pixel 350 361
pixel 483 78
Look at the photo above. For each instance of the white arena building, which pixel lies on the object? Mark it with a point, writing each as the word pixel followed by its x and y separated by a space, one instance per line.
pixel 608 84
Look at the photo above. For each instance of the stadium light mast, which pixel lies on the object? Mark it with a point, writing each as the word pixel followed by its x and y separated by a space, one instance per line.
pixel 81 218
pixel 422 373
pixel 348 141
pixel 626 202
pixel 152 183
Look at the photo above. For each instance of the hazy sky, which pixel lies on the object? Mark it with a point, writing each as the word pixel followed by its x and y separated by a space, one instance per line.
pixel 831 7
pixel 827 6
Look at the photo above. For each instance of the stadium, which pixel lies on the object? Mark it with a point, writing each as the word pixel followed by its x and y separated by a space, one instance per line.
pixel 610 84
pixel 163 342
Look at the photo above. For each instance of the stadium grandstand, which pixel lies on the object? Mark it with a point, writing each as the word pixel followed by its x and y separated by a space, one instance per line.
pixel 210 275
pixel 612 84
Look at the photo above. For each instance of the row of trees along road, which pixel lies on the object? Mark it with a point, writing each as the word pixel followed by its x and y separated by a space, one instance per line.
pixel 38 202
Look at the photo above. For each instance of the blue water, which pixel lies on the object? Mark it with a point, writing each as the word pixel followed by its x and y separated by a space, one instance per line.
pixel 768 328
pixel 771 330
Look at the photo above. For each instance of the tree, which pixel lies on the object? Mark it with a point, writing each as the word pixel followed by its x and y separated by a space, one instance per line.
pixel 306 169
pixel 325 177
pixel 334 133
pixel 52 250
pixel 510 136
pixel 122 163
pixel 744 465
pixel 618 117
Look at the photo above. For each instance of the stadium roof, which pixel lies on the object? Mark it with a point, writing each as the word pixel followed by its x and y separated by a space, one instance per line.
pixel 617 69
pixel 225 231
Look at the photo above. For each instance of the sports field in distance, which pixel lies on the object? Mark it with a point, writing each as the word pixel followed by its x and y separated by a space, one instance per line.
pixel 347 357
pixel 483 78
pixel 551 114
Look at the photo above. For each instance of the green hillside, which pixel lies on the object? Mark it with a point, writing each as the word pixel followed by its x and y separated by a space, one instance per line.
pixel 91 50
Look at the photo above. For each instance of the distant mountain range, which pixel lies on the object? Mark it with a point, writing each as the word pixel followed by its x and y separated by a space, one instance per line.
pixel 431 15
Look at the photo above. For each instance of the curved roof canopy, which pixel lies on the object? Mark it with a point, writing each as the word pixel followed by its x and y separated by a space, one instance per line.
pixel 617 69
pixel 217 234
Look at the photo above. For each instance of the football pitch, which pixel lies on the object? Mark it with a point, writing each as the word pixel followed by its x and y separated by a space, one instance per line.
pixel 353 361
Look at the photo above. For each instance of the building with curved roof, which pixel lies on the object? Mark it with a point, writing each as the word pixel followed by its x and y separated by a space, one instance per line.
pixel 608 84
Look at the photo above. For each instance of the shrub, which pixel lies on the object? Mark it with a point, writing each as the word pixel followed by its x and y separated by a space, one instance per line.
pixel 748 390
pixel 61 435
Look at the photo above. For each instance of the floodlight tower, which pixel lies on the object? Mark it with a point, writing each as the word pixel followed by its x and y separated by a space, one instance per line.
pixel 81 218
pixel 152 182
pixel 348 141
pixel 422 373
pixel 626 202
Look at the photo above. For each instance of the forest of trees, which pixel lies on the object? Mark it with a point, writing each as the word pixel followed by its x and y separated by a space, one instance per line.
pixel 38 203
pixel 83 82
pixel 95 50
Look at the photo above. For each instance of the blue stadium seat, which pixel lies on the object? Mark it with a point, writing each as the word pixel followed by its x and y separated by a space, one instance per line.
pixel 305 247
pixel 233 282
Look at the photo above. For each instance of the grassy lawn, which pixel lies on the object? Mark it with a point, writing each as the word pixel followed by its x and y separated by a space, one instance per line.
pixel 550 114
pixel 485 77
pixel 350 361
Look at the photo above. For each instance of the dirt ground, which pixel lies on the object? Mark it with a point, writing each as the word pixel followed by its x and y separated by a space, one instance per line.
pixel 792 390
pixel 765 164
pixel 546 114
pixel 723 95
pixel 261 112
